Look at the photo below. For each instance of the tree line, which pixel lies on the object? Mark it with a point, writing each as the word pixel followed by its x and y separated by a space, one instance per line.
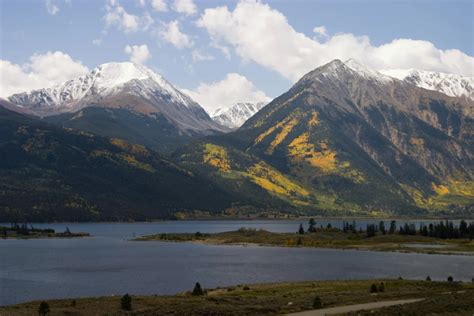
pixel 443 229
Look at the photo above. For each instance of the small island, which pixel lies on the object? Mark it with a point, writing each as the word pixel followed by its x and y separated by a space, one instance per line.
pixel 23 231
pixel 440 238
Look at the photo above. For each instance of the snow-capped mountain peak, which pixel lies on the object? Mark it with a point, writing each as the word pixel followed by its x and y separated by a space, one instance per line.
pixel 105 80
pixel 449 84
pixel 365 71
pixel 337 70
pixel 236 115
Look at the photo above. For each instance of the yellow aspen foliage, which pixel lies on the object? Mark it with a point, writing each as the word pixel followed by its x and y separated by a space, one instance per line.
pixel 217 157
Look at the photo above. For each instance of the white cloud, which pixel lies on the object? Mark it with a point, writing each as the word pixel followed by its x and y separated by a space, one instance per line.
pixel 261 34
pixel 159 5
pixel 138 53
pixel 97 41
pixel 42 70
pixel 222 94
pixel 141 3
pixel 117 16
pixel 321 31
pixel 186 7
pixel 171 33
pixel 197 55
pixel 51 7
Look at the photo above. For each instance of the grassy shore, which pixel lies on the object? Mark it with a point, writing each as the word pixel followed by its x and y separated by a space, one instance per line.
pixel 440 298
pixel 325 238
pixel 33 233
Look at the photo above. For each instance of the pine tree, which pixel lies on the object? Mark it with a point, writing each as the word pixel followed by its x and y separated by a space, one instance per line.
pixel 126 302
pixel 312 225
pixel 301 230
pixel 197 289
pixel 317 303
pixel 373 288
pixel 43 309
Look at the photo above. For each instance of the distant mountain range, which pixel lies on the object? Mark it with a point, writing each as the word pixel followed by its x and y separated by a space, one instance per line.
pixel 449 84
pixel 122 100
pixel 236 115
pixel 344 140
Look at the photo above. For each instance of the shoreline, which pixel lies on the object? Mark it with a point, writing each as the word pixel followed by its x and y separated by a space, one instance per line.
pixel 323 239
pixel 272 298
pixel 235 219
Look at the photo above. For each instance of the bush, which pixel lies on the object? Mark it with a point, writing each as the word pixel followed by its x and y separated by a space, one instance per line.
pixel 73 303
pixel 428 278
pixel 246 288
pixel 381 287
pixel 126 302
pixel 317 302
pixel 43 309
pixel 373 288
pixel 450 279
pixel 197 289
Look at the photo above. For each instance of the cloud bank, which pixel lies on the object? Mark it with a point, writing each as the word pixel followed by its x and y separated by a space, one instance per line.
pixel 258 33
pixel 42 70
pixel 232 89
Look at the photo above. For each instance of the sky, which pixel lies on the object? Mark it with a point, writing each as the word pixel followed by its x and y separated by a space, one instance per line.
pixel 222 52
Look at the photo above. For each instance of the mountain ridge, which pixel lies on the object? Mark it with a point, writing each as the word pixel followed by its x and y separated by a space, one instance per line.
pixel 235 115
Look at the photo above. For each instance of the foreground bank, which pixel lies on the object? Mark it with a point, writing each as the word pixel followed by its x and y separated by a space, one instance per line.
pixel 436 298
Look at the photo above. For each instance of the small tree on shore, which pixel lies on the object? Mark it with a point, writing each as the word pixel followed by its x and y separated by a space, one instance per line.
pixel 450 279
pixel 126 302
pixel 198 289
pixel 428 278
pixel 373 288
pixel 381 287
pixel 317 303
pixel 43 309
pixel 312 225
pixel 301 230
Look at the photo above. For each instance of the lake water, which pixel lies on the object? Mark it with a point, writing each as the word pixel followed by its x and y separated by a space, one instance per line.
pixel 109 264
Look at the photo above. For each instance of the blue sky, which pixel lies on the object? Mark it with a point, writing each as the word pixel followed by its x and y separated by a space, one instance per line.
pixel 260 48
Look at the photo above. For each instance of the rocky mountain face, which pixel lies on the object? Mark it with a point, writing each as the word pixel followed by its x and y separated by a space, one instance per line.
pixel 118 96
pixel 449 84
pixel 236 115
pixel 52 174
pixel 346 137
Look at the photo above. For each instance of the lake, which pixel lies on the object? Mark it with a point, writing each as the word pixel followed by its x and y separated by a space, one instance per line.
pixel 109 264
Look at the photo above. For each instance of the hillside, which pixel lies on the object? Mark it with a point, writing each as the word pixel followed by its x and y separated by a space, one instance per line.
pixel 49 173
pixel 347 138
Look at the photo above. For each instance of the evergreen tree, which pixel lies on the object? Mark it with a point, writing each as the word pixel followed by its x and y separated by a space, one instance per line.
pixel 393 227
pixel 126 302
pixel 317 303
pixel 197 289
pixel 450 279
pixel 312 225
pixel 301 230
pixel 43 309
pixel 373 288
pixel 370 230
pixel 428 278
pixel 382 227
pixel 381 287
